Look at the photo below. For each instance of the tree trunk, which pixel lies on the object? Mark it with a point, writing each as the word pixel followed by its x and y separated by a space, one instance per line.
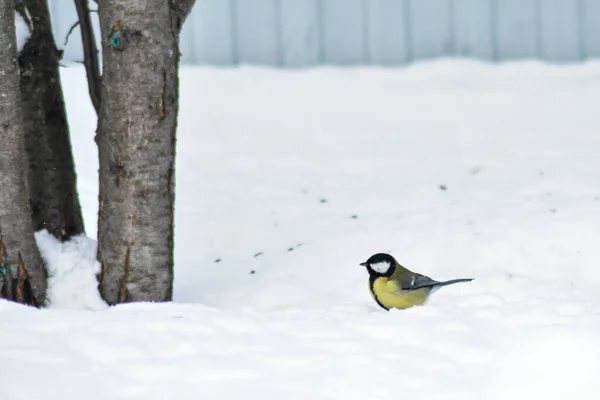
pixel 136 144
pixel 52 179
pixel 21 266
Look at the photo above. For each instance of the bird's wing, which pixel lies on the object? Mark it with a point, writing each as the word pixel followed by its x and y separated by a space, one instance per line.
pixel 418 281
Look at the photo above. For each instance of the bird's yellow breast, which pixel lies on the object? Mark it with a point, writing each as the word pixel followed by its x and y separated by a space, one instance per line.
pixel 388 293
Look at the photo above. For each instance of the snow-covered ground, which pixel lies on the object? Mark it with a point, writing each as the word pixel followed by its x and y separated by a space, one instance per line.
pixel 286 181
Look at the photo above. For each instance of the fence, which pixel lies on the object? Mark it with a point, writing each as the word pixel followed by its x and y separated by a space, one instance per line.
pixel 296 33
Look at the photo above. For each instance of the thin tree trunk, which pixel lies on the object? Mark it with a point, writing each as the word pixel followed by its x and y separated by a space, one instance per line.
pixel 90 52
pixel 136 144
pixel 52 179
pixel 21 264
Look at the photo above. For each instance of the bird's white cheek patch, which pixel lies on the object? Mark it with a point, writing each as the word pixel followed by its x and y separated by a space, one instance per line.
pixel 381 267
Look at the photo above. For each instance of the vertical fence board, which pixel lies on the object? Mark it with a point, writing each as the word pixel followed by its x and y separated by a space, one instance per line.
pixel 590 27
pixel 344 31
pixel 381 32
pixel 431 29
pixel 300 32
pixel 258 31
pixel 516 22
pixel 211 26
pixel 187 45
pixel 474 28
pixel 387 32
pixel 559 30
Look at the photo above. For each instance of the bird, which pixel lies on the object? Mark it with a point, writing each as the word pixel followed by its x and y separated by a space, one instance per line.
pixel 393 286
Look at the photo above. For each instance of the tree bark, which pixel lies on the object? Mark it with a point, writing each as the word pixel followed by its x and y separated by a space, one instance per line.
pixel 136 144
pixel 52 179
pixel 20 258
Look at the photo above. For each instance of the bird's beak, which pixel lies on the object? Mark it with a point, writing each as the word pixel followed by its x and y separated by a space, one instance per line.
pixel 364 264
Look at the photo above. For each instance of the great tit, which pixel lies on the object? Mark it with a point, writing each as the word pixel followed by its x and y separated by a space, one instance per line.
pixel 393 286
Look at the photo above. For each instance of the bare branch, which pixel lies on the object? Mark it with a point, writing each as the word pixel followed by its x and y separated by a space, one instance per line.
pixel 71 29
pixel 90 52
pixel 24 13
pixel 181 9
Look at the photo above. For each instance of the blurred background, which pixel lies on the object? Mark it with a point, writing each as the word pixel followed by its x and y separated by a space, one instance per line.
pixel 359 131
pixel 299 33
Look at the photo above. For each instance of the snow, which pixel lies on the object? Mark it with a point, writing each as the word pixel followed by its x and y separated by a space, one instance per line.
pixel 458 169
pixel 72 269
pixel 22 31
pixel 558 365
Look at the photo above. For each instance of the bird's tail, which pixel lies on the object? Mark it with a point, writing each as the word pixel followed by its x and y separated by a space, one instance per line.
pixel 453 281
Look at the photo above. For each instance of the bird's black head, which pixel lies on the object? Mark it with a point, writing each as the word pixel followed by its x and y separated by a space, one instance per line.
pixel 380 264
